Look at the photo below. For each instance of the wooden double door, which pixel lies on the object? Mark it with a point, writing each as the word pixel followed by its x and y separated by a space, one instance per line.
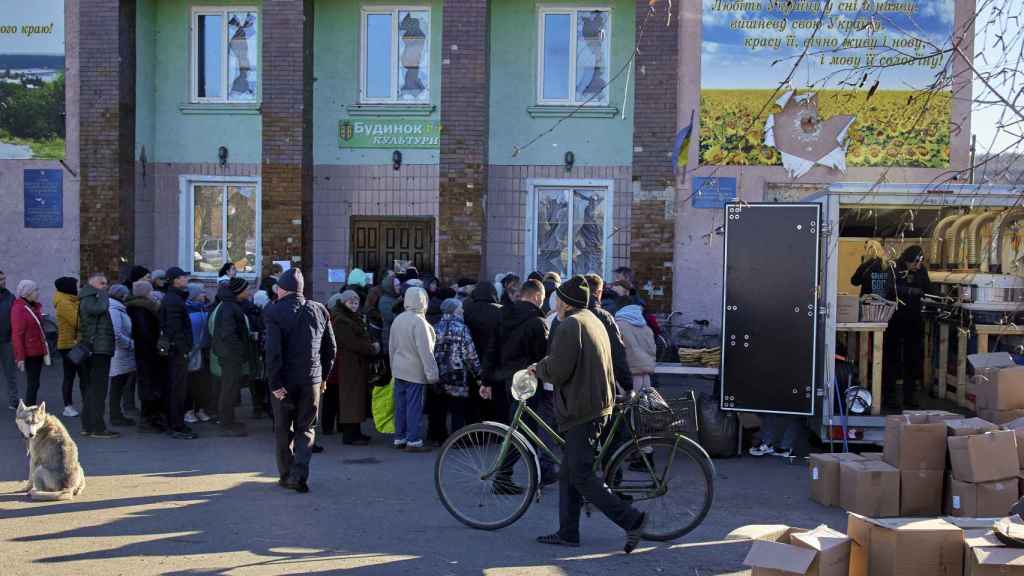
pixel 377 243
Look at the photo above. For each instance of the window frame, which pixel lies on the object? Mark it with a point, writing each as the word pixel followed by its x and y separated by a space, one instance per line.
pixel 186 210
pixel 195 13
pixel 534 185
pixel 393 10
pixel 573 12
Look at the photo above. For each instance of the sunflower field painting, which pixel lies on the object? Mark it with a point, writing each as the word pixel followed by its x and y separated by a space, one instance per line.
pixel 892 128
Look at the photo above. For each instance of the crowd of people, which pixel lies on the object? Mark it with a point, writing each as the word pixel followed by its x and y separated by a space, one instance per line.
pixel 163 352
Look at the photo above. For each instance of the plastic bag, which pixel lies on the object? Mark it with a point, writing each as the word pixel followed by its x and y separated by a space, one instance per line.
pixel 383 405
pixel 719 431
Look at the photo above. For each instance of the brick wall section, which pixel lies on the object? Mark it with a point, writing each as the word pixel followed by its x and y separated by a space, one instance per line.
pixel 286 163
pixel 104 216
pixel 655 90
pixel 465 93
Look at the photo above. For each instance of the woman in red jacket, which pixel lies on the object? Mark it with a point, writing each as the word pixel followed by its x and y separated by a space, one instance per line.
pixel 30 348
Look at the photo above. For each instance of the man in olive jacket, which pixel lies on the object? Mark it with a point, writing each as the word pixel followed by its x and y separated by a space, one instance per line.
pixel 97 333
pixel 579 364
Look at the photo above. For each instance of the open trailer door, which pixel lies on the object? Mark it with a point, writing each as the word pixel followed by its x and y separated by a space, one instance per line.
pixel 769 311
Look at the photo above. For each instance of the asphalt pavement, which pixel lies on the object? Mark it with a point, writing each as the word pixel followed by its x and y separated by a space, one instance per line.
pixel 155 505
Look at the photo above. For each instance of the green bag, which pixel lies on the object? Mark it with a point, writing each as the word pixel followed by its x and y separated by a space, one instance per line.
pixel 383 404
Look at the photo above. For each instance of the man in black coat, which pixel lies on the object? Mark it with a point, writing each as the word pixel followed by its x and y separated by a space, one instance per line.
pixel 300 356
pixel 144 313
pixel 522 341
pixel 176 328
pixel 623 376
pixel 231 342
pixel 482 315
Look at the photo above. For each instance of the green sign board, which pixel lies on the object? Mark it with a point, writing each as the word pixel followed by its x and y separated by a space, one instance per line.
pixel 388 133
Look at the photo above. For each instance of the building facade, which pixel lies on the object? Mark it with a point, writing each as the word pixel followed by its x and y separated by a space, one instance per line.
pixel 469 137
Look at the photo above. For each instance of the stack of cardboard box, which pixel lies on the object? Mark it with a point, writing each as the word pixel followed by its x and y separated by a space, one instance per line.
pixel 915 444
pixel 779 550
pixel 984 478
pixel 998 387
pixel 986 555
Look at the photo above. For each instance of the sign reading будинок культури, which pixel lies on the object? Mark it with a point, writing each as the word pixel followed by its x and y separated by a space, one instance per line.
pixel 388 133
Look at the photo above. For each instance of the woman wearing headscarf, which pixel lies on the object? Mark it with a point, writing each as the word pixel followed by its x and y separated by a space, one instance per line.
pixel 28 338
pixel 457 364
pixel 122 365
pixel 386 305
pixel 152 368
pixel 350 378
pixel 641 351
pixel 65 301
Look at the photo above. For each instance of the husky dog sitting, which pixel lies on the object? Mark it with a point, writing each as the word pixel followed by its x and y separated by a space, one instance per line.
pixel 53 469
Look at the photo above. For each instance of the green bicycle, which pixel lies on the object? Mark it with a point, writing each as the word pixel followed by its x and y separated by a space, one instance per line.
pixel 487 474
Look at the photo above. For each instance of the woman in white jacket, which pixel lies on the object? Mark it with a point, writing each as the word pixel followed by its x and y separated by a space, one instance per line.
pixel 122 366
pixel 641 351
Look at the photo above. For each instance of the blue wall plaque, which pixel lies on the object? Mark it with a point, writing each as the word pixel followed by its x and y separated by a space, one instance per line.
pixel 713 192
pixel 44 198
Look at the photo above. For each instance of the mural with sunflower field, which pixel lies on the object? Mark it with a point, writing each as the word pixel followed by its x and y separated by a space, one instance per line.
pixel 892 128
pixel 840 84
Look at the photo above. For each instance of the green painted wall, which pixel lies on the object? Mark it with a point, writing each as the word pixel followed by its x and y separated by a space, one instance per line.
pixel 336 68
pixel 594 141
pixel 162 86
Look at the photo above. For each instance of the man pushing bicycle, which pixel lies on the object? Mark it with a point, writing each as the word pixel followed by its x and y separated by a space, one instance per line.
pixel 579 364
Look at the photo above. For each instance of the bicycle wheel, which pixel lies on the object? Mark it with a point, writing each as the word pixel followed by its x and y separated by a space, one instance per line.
pixel 458 477
pixel 684 473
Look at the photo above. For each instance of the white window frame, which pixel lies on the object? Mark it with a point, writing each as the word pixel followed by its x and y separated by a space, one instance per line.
pixel 193 26
pixel 186 211
pixel 393 10
pixel 573 12
pixel 535 184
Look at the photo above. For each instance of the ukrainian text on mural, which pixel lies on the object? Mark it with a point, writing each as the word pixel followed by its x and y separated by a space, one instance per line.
pixel 834 83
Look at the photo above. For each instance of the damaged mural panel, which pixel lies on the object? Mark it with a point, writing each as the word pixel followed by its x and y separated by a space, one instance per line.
pixel 858 92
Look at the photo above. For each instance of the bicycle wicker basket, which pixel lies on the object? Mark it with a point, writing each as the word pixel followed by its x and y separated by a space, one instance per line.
pixel 874 308
pixel 657 416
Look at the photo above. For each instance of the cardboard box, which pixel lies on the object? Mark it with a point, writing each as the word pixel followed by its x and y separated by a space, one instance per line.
pixel 921 492
pixel 819 552
pixel 969 426
pixel 876 456
pixel 983 500
pixel 869 488
pixel 1001 390
pixel 1017 426
pixel 984 457
pixel 1000 416
pixel 904 547
pixel 932 415
pixel 847 308
pixel 824 474
pixel 913 442
pixel 986 555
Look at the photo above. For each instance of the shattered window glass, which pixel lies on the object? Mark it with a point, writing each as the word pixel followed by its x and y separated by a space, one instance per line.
pixel 241 232
pixel 243 47
pixel 377 56
pixel 553 231
pixel 588 231
pixel 208 228
pixel 414 56
pixel 593 52
pixel 209 51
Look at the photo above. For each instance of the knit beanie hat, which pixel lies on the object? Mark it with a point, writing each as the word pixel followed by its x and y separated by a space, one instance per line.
pixel 173 273
pixel 451 306
pixel 158 274
pixel 119 292
pixel 291 280
pixel 348 295
pixel 66 285
pixel 357 277
pixel 194 290
pixel 575 292
pixel 142 289
pixel 334 300
pixel 237 285
pixel 137 273
pixel 26 287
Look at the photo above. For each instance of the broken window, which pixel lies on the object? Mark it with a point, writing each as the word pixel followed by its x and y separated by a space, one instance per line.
pixel 571 232
pixel 225 55
pixel 225 227
pixel 575 53
pixel 396 55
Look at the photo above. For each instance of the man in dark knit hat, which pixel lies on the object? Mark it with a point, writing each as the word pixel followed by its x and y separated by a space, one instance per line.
pixel 579 364
pixel 232 346
pixel 300 354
